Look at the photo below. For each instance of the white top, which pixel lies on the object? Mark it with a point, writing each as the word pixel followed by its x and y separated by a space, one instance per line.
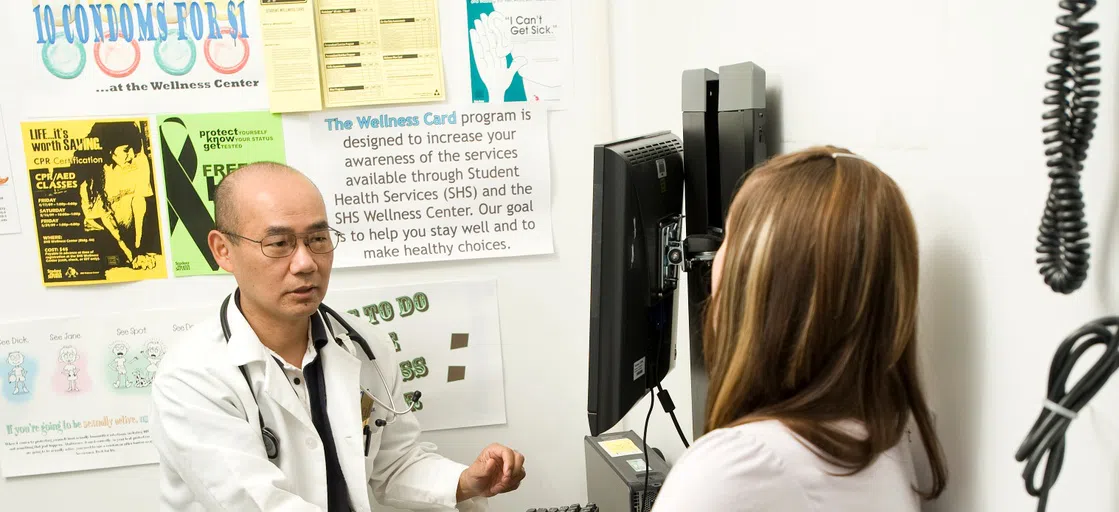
pixel 762 467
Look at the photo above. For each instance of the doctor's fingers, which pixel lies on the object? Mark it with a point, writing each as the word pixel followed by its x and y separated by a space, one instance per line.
pixel 512 482
pixel 513 460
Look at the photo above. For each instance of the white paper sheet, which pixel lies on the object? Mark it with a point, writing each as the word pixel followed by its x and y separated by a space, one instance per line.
pixel 75 392
pixel 9 215
pixel 450 346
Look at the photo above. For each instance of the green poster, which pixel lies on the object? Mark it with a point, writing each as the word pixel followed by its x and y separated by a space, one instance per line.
pixel 198 151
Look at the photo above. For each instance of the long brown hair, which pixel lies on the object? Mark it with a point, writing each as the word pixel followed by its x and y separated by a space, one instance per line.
pixel 814 317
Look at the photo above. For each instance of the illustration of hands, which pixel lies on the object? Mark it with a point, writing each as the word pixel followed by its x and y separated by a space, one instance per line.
pixel 144 262
pixel 489 40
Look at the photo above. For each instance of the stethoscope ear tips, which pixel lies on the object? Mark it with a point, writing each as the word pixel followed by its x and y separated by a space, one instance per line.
pixel 379 422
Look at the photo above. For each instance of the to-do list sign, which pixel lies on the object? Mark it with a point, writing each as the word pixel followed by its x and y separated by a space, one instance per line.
pixel 434 183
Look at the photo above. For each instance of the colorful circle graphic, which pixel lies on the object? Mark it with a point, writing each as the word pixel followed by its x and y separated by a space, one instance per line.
pixel 227 56
pixel 119 58
pixel 64 60
pixel 175 56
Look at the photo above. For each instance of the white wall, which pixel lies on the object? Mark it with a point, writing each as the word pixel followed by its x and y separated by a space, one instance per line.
pixel 947 97
pixel 543 300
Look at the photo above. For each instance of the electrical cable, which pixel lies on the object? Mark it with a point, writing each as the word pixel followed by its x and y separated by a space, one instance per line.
pixel 1072 118
pixel 667 405
pixel 645 448
pixel 1047 436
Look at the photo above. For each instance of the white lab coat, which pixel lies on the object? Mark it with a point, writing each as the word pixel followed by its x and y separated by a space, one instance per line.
pixel 208 437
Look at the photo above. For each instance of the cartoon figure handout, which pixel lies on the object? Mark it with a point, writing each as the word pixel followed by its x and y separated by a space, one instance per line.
pixel 69 356
pixel 18 376
pixel 120 365
pixel 154 352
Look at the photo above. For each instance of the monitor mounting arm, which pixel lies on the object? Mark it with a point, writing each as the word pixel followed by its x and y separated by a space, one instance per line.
pixel 679 252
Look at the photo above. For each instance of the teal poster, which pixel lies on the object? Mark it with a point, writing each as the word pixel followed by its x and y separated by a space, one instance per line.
pixel 520 51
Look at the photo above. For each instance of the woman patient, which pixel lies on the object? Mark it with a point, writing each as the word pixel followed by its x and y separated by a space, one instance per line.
pixel 811 348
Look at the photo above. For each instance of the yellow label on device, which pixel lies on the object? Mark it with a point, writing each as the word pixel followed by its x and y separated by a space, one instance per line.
pixel 620 447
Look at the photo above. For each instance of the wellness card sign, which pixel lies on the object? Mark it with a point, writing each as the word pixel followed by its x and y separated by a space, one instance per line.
pixel 435 183
pixel 75 391
pixel 138 57
pixel 447 343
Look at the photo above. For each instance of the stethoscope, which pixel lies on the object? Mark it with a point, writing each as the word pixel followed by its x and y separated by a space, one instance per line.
pixel 271 441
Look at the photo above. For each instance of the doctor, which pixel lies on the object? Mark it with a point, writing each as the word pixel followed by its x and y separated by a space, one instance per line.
pixel 263 407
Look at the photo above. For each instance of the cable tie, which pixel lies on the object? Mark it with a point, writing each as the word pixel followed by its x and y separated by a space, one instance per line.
pixel 1059 409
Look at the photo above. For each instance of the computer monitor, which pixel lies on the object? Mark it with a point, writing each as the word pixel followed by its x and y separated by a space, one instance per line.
pixel 635 256
pixel 641 242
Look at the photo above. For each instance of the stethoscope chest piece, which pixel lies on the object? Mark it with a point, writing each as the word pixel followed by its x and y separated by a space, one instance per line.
pixel 271 443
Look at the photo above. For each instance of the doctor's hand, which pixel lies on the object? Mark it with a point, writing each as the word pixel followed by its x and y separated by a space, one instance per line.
pixel 498 469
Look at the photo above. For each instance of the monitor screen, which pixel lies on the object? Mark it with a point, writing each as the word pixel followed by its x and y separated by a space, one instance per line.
pixel 638 202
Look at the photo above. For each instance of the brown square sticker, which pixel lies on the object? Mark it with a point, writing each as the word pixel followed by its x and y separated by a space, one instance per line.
pixel 455 373
pixel 459 340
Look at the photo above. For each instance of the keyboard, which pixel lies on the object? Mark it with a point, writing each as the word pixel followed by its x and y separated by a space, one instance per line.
pixel 589 507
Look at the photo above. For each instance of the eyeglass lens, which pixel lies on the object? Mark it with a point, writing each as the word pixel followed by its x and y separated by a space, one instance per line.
pixel 278 246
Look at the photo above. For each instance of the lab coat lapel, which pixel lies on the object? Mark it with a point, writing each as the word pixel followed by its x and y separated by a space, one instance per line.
pixel 342 372
pixel 277 388
pixel 246 348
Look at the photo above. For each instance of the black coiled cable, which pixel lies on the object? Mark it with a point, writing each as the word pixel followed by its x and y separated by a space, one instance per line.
pixel 1048 433
pixel 1072 118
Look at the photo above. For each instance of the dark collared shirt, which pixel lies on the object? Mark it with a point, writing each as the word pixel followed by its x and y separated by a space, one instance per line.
pixel 338 496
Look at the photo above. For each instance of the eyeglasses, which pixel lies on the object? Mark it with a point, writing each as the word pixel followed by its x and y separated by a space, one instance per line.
pixel 320 241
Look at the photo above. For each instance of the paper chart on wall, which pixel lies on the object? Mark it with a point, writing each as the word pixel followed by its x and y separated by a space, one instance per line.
pixel 101 58
pixel 520 50
pixel 447 338
pixel 94 200
pixel 75 390
pixel 198 151
pixel 438 183
pixel 9 215
pixel 346 53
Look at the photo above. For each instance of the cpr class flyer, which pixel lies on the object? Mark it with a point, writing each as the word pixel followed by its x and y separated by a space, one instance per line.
pixel 94 200
pixel 198 151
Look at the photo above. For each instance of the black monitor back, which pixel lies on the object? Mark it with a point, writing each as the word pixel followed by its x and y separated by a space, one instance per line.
pixel 638 185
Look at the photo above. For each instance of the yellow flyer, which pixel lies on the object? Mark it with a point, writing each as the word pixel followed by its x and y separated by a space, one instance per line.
pixel 94 200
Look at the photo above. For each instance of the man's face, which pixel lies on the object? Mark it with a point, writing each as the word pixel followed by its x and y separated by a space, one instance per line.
pixel 287 287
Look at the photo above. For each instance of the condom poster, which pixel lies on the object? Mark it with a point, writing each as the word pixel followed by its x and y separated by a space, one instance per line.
pixel 98 58
pixel 198 150
pixel 520 51
pixel 75 391
pixel 94 201
pixel 447 342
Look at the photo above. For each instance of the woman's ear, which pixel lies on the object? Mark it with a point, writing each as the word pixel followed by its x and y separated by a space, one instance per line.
pixel 717 266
